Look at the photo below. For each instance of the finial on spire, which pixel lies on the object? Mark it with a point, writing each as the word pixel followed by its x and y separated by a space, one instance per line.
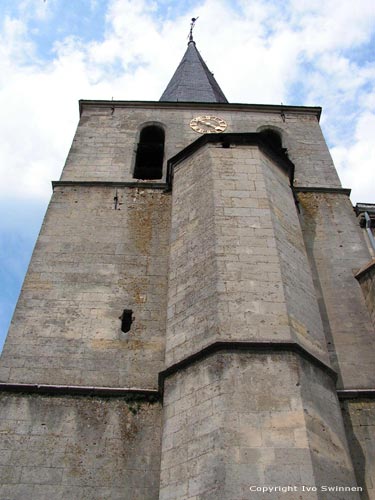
pixel 192 24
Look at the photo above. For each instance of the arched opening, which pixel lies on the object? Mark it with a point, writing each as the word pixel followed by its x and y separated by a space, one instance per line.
pixel 150 153
pixel 272 137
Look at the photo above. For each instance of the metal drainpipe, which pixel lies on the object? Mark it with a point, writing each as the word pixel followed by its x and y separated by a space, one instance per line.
pixel 369 231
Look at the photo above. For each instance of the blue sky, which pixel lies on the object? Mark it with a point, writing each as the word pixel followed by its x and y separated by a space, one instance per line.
pixel 54 52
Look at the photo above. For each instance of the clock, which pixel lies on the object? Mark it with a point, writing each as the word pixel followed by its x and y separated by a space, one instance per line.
pixel 208 124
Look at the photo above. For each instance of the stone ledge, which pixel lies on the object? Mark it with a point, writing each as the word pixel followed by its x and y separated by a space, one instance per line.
pixel 254 347
pixel 131 393
pixel 142 185
pixel 319 189
pixel 224 106
pixel 360 208
pixel 365 269
pixel 356 394
pixel 153 395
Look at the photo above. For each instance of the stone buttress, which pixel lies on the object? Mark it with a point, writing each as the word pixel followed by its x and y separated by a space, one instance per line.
pixel 249 394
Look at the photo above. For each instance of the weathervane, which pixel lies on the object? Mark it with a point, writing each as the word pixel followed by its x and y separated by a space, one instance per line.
pixel 192 24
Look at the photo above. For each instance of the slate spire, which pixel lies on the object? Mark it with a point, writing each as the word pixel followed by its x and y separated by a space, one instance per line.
pixel 193 81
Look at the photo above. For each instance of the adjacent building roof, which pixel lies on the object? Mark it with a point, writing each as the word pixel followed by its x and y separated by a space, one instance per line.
pixel 193 81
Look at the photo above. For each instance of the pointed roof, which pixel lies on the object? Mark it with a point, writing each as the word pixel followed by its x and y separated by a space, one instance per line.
pixel 193 81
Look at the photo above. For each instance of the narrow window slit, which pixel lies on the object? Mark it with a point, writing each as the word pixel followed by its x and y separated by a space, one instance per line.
pixel 115 200
pixel 126 320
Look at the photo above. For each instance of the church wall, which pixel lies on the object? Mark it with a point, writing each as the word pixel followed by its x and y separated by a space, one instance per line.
pixel 236 420
pixel 366 279
pixel 336 248
pixel 90 263
pixel 192 287
pixel 80 311
pixel 235 225
pixel 238 266
pixel 105 143
pixel 359 419
pixel 329 447
pixel 309 152
pixel 237 272
pixel 303 313
pixel 78 448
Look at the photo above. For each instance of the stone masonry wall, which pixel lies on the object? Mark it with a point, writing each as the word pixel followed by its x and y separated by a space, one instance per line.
pixel 331 459
pixel 105 143
pixel 367 282
pixel 238 271
pixel 238 267
pixel 230 420
pixel 336 249
pixel 192 285
pixel 359 419
pixel 90 263
pixel 252 300
pixel 65 448
pixel 236 420
pixel 303 313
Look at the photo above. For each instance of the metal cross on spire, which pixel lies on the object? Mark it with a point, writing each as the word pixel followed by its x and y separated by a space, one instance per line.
pixel 192 24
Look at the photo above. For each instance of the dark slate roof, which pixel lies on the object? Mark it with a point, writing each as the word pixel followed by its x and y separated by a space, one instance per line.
pixel 193 81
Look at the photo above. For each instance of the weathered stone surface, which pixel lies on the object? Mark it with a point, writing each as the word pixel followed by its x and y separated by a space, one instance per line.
pixel 359 419
pixel 336 248
pixel 238 419
pixel 90 263
pixel 237 271
pixel 238 268
pixel 105 142
pixel 366 279
pixel 81 448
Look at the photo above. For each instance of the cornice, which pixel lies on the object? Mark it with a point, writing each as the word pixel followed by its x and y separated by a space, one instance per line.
pixel 129 394
pixel 355 394
pixel 257 108
pixel 320 189
pixel 365 270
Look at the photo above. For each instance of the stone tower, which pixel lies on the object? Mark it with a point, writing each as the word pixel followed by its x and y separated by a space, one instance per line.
pixel 193 324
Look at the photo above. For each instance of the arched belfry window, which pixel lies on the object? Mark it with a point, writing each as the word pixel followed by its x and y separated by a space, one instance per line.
pixel 150 153
pixel 272 137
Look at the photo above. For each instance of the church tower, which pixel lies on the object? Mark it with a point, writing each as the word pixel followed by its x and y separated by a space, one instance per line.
pixel 192 324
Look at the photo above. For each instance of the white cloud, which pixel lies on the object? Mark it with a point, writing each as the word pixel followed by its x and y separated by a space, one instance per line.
pixel 36 9
pixel 355 160
pixel 332 24
pixel 257 51
pixel 15 47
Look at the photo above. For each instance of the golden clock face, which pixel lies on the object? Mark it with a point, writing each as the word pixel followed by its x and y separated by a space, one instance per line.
pixel 208 124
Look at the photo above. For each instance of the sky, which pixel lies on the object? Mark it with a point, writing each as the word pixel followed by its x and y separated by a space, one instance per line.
pixel 55 52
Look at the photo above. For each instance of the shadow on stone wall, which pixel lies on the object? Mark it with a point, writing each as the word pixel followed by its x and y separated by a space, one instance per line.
pixel 356 451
